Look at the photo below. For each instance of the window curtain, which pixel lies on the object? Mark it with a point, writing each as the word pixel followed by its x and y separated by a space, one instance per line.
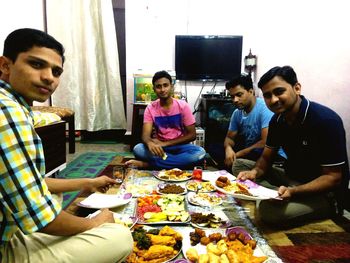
pixel 90 83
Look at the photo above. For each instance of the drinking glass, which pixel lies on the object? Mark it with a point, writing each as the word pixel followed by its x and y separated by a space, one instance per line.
pixel 197 172
pixel 118 174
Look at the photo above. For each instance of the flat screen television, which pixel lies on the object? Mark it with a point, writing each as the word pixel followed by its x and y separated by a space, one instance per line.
pixel 208 57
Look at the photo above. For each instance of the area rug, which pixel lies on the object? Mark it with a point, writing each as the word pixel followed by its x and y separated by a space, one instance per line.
pixel 88 165
pixel 323 241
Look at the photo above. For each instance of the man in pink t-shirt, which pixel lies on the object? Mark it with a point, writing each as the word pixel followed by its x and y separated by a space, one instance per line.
pixel 174 127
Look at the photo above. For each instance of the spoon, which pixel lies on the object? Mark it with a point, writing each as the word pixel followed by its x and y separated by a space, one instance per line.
pixel 199 187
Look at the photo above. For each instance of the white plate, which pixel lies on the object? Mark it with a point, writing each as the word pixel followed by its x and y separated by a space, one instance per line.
pixel 258 192
pixel 213 175
pixel 225 222
pixel 98 201
pixel 162 185
pixel 192 186
pixel 203 199
pixel 201 249
pixel 159 175
pixel 129 221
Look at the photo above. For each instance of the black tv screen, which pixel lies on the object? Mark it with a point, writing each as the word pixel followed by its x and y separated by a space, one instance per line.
pixel 207 57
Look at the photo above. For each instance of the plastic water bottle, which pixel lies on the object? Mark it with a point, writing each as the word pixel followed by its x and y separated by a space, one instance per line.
pixel 177 90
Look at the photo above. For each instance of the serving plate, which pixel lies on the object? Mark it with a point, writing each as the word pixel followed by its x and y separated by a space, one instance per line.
pixel 162 209
pixel 126 220
pixel 217 219
pixel 98 201
pixel 200 186
pixel 204 199
pixel 167 186
pixel 173 175
pixel 135 256
pixel 257 191
pixel 202 249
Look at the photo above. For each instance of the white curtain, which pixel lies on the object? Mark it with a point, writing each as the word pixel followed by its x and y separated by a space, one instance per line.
pixel 90 84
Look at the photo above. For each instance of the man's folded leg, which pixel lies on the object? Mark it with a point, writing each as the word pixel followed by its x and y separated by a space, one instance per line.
pixel 106 243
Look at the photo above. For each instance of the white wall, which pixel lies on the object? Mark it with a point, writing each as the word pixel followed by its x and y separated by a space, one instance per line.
pixel 311 36
pixel 18 14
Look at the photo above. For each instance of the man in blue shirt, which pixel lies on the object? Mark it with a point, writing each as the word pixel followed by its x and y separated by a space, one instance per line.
pixel 316 172
pixel 246 135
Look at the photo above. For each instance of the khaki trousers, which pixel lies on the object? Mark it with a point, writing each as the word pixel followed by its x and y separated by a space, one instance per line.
pixel 294 212
pixel 108 243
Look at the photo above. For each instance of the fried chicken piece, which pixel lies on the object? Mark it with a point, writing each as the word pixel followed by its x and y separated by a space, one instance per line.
pixel 158 251
pixel 168 231
pixel 162 240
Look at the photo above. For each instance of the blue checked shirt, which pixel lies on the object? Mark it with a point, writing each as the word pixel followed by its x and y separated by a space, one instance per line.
pixel 25 201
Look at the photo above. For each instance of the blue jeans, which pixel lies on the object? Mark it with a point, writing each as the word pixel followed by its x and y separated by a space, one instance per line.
pixel 182 156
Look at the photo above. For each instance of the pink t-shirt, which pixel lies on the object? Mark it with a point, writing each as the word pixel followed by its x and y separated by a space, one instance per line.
pixel 169 123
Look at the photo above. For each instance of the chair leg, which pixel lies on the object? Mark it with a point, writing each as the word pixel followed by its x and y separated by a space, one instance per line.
pixel 71 134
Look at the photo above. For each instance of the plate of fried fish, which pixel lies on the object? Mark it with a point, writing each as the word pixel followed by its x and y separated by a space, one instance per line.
pixel 155 245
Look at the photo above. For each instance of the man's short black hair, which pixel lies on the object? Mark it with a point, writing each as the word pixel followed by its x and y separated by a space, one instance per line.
pixel 22 40
pixel 161 74
pixel 286 72
pixel 243 80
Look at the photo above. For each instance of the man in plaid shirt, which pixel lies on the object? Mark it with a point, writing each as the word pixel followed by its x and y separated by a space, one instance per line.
pixel 33 225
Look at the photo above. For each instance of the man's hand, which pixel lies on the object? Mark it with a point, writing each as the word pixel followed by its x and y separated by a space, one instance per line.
pixel 155 148
pixel 245 175
pixel 100 184
pixel 230 156
pixel 285 192
pixel 105 216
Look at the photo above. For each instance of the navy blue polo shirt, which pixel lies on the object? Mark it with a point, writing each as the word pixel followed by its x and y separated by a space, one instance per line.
pixel 315 139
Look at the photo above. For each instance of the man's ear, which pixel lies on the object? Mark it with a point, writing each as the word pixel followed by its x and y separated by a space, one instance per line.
pixel 4 65
pixel 297 88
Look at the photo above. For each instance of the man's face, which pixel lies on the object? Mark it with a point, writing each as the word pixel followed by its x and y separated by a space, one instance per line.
pixel 163 88
pixel 35 73
pixel 241 97
pixel 280 96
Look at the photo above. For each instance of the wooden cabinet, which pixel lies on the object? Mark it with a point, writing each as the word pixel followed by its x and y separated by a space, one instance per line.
pixel 54 143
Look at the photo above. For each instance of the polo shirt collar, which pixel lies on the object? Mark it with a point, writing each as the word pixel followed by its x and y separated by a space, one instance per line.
pixel 303 111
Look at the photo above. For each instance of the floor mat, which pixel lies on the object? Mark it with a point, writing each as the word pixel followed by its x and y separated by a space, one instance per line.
pixel 87 165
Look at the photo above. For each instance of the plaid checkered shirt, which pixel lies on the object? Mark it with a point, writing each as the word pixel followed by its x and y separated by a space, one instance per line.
pixel 25 201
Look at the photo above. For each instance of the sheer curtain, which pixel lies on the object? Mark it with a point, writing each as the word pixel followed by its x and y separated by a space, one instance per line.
pixel 90 84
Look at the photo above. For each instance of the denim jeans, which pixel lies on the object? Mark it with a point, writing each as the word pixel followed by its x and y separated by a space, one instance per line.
pixel 182 156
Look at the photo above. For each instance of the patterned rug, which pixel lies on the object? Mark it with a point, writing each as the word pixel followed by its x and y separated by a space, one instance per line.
pixel 324 241
pixel 88 165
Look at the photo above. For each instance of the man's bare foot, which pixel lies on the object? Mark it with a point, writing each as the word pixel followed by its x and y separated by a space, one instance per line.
pixel 137 163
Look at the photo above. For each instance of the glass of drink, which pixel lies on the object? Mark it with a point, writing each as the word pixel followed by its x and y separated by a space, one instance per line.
pixel 118 174
pixel 197 173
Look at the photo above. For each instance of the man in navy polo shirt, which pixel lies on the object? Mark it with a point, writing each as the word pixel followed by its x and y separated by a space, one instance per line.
pixel 316 173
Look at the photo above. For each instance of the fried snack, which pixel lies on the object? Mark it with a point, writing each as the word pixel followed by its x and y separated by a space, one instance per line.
pixel 168 231
pixel 252 243
pixel 222 246
pixel 215 237
pixel 192 254
pixel 205 241
pixel 158 251
pixel 200 232
pixel 211 248
pixel 224 259
pixel 162 240
pixel 223 179
pixel 213 258
pixel 203 258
